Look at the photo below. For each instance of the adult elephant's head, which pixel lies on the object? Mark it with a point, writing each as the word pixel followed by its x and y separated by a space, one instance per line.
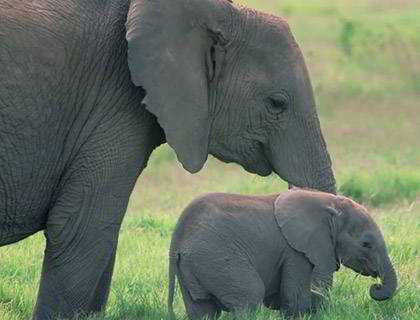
pixel 228 81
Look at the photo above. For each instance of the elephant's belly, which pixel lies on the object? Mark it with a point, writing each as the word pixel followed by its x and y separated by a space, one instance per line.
pixel 24 194
pixel 13 232
pixel 29 170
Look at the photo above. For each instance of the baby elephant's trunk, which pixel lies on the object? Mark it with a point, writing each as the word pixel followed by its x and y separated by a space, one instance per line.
pixel 387 288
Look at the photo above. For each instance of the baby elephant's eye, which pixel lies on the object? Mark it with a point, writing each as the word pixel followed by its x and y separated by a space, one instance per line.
pixel 366 244
pixel 279 104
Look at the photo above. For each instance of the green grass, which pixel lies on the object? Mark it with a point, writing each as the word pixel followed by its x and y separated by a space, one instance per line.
pixel 139 286
pixel 382 187
pixel 364 60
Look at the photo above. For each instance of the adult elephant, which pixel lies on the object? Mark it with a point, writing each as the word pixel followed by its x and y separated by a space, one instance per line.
pixel 214 78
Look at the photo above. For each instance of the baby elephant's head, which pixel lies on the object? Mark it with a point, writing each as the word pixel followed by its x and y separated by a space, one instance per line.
pixel 332 230
pixel 361 247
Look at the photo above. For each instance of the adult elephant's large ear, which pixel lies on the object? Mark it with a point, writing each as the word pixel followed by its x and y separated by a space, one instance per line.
pixel 168 42
pixel 308 221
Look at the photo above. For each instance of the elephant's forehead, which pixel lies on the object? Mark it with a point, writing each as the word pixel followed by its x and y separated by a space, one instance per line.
pixel 363 212
pixel 361 220
pixel 274 32
pixel 274 47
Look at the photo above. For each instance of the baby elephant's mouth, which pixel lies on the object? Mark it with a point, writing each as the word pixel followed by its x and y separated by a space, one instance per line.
pixel 367 272
pixel 373 274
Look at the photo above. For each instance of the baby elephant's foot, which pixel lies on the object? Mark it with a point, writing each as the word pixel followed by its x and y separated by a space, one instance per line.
pixel 298 312
pixel 245 313
pixel 317 299
pixel 203 310
pixel 295 314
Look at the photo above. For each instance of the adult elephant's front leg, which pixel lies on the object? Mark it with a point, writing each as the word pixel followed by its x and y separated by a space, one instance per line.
pixel 83 225
pixel 77 272
pixel 82 234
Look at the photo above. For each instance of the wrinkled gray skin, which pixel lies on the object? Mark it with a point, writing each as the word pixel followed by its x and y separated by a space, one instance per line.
pixel 86 94
pixel 233 252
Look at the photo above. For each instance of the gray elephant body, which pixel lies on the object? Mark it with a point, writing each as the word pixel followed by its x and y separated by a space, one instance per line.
pixel 63 124
pixel 228 233
pixel 77 127
pixel 233 253
pixel 73 140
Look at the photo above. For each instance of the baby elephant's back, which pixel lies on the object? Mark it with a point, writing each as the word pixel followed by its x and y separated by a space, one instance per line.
pixel 221 221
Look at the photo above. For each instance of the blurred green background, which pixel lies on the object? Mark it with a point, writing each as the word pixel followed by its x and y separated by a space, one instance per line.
pixel 364 60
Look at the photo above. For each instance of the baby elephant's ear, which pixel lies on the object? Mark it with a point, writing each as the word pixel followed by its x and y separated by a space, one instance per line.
pixel 306 220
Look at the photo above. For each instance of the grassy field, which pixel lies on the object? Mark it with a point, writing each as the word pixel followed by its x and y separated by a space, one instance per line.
pixel 364 58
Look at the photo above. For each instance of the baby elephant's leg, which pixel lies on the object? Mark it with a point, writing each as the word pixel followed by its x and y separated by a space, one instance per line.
pixel 295 285
pixel 234 282
pixel 199 309
pixel 202 310
pixel 321 283
pixel 243 294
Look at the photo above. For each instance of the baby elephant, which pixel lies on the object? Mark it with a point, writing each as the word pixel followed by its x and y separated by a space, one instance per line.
pixel 233 253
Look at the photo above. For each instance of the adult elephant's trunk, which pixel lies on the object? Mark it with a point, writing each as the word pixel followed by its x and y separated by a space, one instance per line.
pixel 388 285
pixel 307 162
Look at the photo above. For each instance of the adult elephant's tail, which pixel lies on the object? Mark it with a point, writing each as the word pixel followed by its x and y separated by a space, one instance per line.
pixel 173 261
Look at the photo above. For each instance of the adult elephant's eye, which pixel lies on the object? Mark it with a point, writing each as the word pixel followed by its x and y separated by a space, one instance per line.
pixel 279 104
